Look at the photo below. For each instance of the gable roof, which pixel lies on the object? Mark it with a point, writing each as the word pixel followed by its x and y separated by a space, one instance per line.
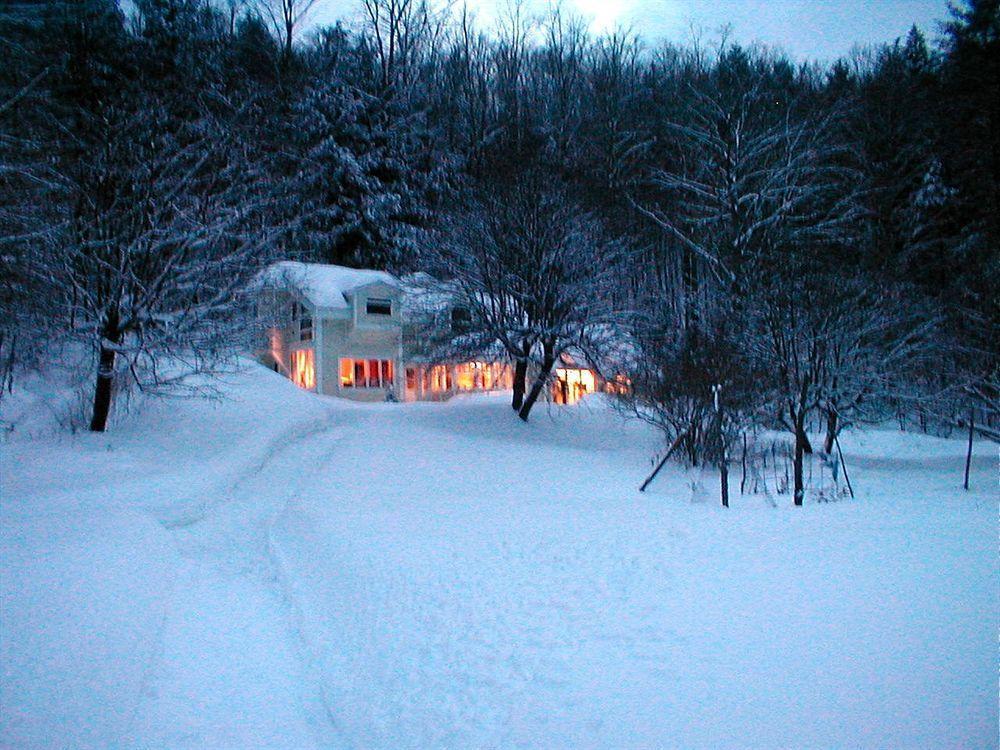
pixel 326 285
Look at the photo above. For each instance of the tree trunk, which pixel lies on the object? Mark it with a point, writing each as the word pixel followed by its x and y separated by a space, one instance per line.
pixel 289 30
pixel 800 450
pixel 102 390
pixel 831 431
pixel 548 360
pixel 105 374
pixel 743 462
pixel 968 453
pixel 724 478
pixel 520 375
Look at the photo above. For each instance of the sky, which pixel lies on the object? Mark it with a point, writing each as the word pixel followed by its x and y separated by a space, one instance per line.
pixel 806 29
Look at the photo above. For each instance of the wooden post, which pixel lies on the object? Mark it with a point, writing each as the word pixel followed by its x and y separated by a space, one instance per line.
pixel 968 453
pixel 673 446
pixel 843 466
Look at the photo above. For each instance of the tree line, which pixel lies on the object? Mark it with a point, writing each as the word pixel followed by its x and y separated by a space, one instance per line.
pixel 745 240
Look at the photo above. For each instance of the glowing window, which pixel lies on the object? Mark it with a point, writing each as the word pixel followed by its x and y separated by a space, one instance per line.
pixel 466 377
pixel 303 368
pixel 572 384
pixel 366 373
pixel 441 378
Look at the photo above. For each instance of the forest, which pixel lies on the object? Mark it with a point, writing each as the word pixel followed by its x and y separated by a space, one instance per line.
pixel 745 240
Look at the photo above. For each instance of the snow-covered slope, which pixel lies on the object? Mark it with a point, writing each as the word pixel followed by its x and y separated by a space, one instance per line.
pixel 284 570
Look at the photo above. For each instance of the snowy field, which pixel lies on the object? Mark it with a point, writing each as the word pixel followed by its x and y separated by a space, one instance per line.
pixel 289 571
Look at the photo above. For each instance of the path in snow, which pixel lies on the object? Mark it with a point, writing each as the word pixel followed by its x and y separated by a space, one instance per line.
pixel 233 672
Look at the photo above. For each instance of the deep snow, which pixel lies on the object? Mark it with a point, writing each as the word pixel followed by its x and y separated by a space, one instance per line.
pixel 284 570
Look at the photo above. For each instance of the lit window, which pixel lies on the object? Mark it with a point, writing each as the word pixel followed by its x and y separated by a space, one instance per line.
pixel 572 384
pixel 303 368
pixel 466 377
pixel 378 306
pixel 366 373
pixel 441 379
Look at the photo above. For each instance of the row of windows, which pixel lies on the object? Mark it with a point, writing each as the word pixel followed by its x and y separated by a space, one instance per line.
pixel 366 373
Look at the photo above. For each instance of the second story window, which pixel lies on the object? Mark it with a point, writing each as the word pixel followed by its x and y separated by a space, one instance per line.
pixel 378 306
pixel 302 322
pixel 305 326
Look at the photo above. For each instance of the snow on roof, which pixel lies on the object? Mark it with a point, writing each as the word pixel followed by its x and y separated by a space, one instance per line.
pixel 325 285
pixel 425 295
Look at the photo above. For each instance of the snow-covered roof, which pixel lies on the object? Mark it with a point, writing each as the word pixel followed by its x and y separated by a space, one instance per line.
pixel 425 295
pixel 326 285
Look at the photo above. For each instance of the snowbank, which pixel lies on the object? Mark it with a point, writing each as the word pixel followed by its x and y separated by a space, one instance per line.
pixel 90 560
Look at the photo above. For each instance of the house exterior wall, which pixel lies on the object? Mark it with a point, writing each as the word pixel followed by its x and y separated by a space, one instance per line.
pixel 341 339
pixel 353 333
pixel 281 336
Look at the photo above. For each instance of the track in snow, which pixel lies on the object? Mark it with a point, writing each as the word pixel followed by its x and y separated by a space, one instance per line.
pixel 233 670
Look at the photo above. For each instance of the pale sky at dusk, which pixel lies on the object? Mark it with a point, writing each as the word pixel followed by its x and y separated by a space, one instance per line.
pixel 806 29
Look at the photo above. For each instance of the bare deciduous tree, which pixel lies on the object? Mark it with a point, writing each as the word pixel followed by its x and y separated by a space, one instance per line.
pixel 536 273
pixel 286 18
pixel 166 230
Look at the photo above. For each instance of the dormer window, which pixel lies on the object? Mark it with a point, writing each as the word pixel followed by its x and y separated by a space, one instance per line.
pixel 379 306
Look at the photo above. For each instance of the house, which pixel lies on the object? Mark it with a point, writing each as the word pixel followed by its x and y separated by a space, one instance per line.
pixel 334 330
pixel 366 335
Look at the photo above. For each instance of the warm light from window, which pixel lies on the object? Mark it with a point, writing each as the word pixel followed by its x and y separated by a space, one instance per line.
pixel 303 368
pixel 572 384
pixel 620 386
pixel 366 373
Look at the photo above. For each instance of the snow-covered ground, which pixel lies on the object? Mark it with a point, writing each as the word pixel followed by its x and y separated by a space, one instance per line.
pixel 284 570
